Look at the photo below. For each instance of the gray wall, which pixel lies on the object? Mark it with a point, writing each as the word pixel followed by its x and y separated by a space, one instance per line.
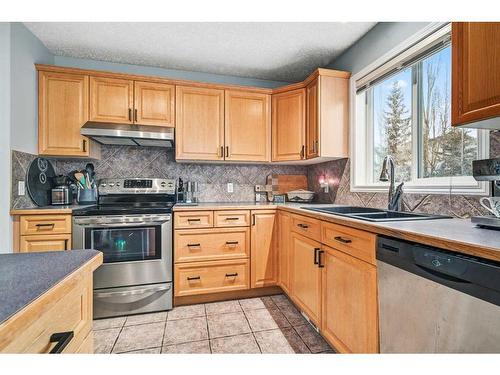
pixel 5 220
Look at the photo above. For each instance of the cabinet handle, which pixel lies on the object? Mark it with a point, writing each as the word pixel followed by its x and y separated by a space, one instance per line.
pixel 130 114
pixel 316 148
pixel 135 115
pixel 62 339
pixel 194 278
pixel 320 263
pixel 227 151
pixel 84 145
pixel 343 240
pixel 232 218
pixel 193 245
pixel 231 242
pixel 221 151
pixel 253 219
pixel 303 226
pixel 302 152
pixel 316 250
pixel 51 225
pixel 232 274
pixel 189 220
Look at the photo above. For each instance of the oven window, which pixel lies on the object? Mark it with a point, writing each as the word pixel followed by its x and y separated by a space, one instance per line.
pixel 125 244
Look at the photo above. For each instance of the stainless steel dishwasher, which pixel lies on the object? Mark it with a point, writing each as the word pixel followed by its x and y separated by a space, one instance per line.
pixel 436 301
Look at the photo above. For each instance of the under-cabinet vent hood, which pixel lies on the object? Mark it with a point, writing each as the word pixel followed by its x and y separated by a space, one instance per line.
pixel 129 135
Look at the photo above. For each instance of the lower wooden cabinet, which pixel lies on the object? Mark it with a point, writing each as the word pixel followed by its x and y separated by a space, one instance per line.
pixel 306 276
pixel 263 254
pixel 42 232
pixel 284 251
pixel 45 242
pixel 349 300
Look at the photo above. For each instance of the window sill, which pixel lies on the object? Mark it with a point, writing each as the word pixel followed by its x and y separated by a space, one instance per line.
pixel 479 188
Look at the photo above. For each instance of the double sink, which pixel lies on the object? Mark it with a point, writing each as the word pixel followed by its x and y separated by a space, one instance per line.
pixel 373 214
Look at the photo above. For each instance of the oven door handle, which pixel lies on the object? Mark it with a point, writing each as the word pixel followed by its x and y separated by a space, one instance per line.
pixel 132 292
pixel 121 224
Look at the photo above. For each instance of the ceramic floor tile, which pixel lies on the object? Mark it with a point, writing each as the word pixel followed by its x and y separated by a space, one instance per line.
pixel 185 330
pixel 241 344
pixel 273 342
pixel 260 320
pixel 293 315
pixel 281 300
pixel 146 318
pixel 279 318
pixel 195 347
pixel 227 324
pixel 140 337
pixel 252 304
pixel 104 340
pixel 312 339
pixel 145 351
pixel 222 307
pixel 268 302
pixel 295 341
pixel 184 312
pixel 109 323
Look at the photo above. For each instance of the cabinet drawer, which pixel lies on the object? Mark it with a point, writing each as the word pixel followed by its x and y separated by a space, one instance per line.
pixel 195 219
pixel 211 244
pixel 45 224
pixel 211 277
pixel 44 242
pixel 72 312
pixel 308 227
pixel 239 218
pixel 357 243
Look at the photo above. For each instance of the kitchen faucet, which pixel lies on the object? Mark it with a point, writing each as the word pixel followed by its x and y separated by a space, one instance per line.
pixel 395 195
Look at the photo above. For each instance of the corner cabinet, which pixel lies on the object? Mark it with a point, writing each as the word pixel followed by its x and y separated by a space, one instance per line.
pixel 475 72
pixel 263 254
pixel 284 229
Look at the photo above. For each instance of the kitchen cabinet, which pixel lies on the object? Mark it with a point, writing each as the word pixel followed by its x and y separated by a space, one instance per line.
pixel 63 107
pixel 247 126
pixel 199 118
pixel 284 250
pixel 263 254
pixel 45 242
pixel 34 233
pixel 288 125
pixel 111 100
pixel 154 104
pixel 475 72
pixel 305 278
pixel 349 303
pixel 312 123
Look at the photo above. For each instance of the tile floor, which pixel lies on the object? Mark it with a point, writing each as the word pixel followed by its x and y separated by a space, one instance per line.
pixel 255 325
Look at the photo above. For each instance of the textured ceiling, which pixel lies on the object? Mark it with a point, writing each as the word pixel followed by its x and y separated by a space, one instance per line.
pixel 274 51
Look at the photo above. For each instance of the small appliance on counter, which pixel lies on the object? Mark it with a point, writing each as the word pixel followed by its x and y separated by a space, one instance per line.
pixel 61 193
pixel 488 170
pixel 39 181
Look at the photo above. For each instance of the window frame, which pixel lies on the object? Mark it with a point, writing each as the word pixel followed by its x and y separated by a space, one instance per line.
pixel 361 174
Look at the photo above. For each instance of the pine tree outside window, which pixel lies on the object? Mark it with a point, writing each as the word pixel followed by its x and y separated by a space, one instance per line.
pixel 405 112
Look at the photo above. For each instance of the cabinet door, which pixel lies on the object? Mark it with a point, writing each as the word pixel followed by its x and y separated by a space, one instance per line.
pixel 154 104
pixel 63 107
pixel 45 242
pixel 306 276
pixel 199 120
pixel 284 251
pixel 111 100
pixel 288 125
pixel 263 255
pixel 350 320
pixel 312 120
pixel 475 71
pixel 247 126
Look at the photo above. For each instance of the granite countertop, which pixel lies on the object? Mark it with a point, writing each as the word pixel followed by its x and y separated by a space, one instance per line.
pixel 225 206
pixel 26 276
pixel 68 209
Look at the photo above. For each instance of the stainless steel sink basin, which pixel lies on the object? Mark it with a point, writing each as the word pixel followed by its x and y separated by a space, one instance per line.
pixel 374 214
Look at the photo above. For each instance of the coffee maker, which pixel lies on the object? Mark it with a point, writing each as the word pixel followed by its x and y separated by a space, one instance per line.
pixel 488 170
pixel 61 193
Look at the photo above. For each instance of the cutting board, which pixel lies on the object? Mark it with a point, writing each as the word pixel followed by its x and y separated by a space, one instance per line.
pixel 283 183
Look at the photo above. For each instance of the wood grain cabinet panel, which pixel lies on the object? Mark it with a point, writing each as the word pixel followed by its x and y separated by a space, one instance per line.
pixel 63 107
pixel 475 71
pixel 307 226
pixel 312 121
pixel 111 100
pixel 154 104
pixel 199 119
pixel 45 224
pixel 247 126
pixel 284 250
pixel 288 125
pixel 193 219
pixel 232 218
pixel 263 254
pixel 45 242
pixel 349 317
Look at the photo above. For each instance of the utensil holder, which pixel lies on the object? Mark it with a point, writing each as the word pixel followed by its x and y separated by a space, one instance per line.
pixel 86 196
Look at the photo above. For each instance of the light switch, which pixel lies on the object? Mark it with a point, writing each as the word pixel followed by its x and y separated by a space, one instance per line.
pixel 21 188
pixel 230 187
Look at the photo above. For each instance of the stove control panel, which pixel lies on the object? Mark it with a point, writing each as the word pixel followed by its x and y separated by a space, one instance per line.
pixel 110 186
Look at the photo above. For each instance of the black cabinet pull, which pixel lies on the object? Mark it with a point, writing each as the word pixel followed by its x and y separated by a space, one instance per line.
pixel 194 278
pixel 303 226
pixel 316 250
pixel 253 219
pixel 232 274
pixel 320 263
pixel 302 151
pixel 343 240
pixel 130 114
pixel 84 145
pixel 51 225
pixel 135 115
pixel 231 242
pixel 221 151
pixel 232 218
pixel 194 219
pixel 227 151
pixel 62 339
pixel 193 245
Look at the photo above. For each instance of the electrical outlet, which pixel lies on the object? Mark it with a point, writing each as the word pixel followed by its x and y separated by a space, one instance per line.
pixel 21 188
pixel 230 187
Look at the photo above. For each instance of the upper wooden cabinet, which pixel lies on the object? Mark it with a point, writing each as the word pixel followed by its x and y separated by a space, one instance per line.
pixel 263 255
pixel 154 104
pixel 247 126
pixel 199 113
pixel 475 72
pixel 312 123
pixel 63 107
pixel 288 125
pixel 111 100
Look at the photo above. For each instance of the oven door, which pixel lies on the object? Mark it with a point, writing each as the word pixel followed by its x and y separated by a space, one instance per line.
pixel 137 249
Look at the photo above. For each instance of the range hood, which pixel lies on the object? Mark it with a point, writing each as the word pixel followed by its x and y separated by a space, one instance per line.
pixel 129 135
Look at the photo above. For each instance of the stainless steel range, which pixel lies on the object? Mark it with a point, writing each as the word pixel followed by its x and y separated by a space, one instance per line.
pixel 132 226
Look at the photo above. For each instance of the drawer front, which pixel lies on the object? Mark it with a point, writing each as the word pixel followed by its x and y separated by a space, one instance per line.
pixel 238 218
pixel 211 244
pixel 45 224
pixel 46 242
pixel 308 227
pixel 72 312
pixel 195 219
pixel 354 242
pixel 211 277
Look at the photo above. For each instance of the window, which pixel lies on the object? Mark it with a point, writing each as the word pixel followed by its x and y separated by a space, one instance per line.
pixel 403 109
